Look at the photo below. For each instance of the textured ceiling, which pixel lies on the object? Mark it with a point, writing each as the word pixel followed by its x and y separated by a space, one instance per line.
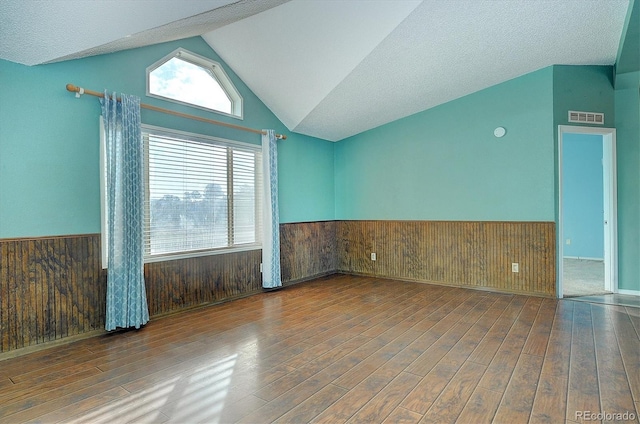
pixel 441 51
pixel 41 31
pixel 334 68
pixel 296 54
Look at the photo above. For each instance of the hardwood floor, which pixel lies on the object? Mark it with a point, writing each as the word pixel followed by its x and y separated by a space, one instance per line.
pixel 344 349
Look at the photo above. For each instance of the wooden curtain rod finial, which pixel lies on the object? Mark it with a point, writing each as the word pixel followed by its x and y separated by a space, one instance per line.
pixel 79 91
pixel 74 88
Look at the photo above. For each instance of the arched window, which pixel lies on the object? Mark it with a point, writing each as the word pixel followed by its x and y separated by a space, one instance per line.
pixel 194 80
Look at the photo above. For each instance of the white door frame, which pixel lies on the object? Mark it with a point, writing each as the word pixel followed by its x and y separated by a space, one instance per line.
pixel 610 204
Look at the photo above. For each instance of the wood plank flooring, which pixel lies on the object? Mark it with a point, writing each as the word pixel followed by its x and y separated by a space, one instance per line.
pixel 344 349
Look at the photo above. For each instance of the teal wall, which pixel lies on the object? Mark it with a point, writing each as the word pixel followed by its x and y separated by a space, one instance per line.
pixel 583 88
pixel 590 88
pixel 306 179
pixel 582 195
pixel 445 163
pixel 627 121
pixel 627 102
pixel 49 176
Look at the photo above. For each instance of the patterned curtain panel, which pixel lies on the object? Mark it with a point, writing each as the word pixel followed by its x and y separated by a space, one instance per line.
pixel 126 296
pixel 271 219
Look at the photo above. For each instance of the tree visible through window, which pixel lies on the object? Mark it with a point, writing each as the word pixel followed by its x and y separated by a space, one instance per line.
pixel 201 194
pixel 191 79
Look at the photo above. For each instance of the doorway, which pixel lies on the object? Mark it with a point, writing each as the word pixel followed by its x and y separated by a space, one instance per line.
pixel 587 230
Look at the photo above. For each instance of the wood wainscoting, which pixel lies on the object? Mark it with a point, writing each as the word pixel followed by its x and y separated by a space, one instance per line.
pixel 469 254
pixel 307 250
pixel 50 288
pixel 53 288
pixel 186 283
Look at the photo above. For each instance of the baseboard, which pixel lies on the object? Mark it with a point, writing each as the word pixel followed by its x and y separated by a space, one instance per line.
pixel 459 286
pixel 308 278
pixel 47 345
pixel 629 292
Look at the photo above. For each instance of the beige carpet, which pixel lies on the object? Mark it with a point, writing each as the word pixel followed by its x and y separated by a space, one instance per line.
pixel 582 277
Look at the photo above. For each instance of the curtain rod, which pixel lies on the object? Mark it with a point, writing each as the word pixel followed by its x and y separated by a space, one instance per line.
pixel 80 90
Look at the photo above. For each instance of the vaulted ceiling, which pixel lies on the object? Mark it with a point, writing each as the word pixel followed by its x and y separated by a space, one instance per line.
pixel 334 68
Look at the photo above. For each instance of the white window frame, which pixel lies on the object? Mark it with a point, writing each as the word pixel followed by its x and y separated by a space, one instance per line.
pixel 257 245
pixel 216 71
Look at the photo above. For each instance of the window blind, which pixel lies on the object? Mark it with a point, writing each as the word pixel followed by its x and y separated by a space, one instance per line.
pixel 202 194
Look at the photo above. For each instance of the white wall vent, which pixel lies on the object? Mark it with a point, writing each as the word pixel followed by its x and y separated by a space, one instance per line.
pixel 586 117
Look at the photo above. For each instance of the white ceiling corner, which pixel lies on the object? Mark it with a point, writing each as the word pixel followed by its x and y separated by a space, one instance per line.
pixel 295 54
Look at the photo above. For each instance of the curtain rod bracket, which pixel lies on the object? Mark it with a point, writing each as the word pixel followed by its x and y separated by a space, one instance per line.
pixel 80 92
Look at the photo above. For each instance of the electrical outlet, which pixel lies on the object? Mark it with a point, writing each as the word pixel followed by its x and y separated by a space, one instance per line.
pixel 515 267
pixel 568 241
pixel 373 256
